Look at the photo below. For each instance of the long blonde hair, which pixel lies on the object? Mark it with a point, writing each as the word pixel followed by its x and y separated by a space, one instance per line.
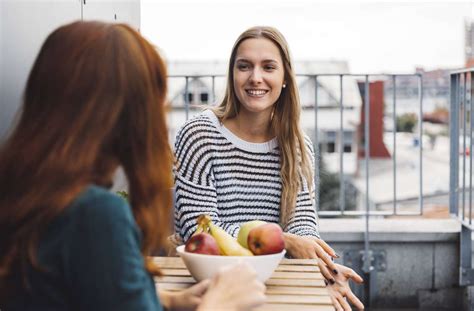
pixel 294 158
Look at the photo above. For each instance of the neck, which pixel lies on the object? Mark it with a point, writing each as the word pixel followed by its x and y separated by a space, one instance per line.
pixel 251 127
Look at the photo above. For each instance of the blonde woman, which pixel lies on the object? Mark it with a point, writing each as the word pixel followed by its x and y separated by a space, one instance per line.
pixel 248 159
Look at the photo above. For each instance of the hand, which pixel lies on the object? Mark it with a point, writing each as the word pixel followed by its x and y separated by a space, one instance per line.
pixel 307 247
pixel 340 290
pixel 234 289
pixel 186 300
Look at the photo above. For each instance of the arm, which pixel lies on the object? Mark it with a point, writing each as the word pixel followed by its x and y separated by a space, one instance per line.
pixel 101 257
pixel 185 300
pixel 305 221
pixel 234 288
pixel 195 189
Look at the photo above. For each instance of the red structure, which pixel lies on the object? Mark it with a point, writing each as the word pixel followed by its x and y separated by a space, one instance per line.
pixel 377 146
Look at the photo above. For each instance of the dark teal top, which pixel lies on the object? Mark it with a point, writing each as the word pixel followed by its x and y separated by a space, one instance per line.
pixel 93 260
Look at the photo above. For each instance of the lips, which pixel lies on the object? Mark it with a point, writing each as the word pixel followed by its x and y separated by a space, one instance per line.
pixel 256 92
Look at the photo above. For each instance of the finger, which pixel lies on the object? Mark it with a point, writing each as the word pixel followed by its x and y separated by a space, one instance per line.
pixel 261 299
pixel 351 274
pixel 325 271
pixel 253 300
pixel 328 249
pixel 200 288
pixel 336 304
pixel 260 286
pixel 194 301
pixel 324 257
pixel 344 304
pixel 355 277
pixel 355 301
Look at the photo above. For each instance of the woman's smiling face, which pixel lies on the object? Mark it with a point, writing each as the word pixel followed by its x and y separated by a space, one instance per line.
pixel 258 75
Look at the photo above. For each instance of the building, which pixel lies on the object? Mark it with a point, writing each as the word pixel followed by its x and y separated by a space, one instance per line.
pixel 469 43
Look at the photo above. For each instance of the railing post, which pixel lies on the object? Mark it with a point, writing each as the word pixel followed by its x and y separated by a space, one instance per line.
pixel 342 197
pixel 186 99
pixel 317 155
pixel 367 267
pixel 394 152
pixel 420 129
pixel 454 145
pixel 459 110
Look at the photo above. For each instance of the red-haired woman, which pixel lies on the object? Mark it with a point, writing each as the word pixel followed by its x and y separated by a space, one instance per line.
pixel 93 102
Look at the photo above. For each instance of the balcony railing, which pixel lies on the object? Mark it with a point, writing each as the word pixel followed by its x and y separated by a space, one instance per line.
pixel 460 189
pixel 337 93
pixel 324 93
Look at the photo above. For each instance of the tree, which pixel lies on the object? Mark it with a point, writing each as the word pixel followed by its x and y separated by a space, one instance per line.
pixel 406 122
pixel 330 188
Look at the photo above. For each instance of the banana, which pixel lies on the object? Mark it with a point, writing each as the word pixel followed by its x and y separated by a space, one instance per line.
pixel 227 244
pixel 202 227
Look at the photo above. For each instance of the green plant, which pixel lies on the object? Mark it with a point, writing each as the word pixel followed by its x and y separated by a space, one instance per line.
pixel 123 194
pixel 330 188
pixel 406 122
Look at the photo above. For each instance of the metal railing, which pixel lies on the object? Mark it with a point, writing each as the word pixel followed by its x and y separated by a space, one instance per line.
pixel 461 128
pixel 367 256
pixel 344 81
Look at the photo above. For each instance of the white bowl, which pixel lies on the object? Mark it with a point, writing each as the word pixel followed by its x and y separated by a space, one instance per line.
pixel 204 267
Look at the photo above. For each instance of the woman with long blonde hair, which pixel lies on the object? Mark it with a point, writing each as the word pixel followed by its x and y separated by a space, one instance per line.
pixel 247 158
pixel 94 101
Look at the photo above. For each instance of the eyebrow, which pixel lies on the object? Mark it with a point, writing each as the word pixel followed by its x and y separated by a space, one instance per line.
pixel 263 61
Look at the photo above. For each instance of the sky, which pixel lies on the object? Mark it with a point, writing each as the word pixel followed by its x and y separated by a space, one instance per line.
pixel 372 36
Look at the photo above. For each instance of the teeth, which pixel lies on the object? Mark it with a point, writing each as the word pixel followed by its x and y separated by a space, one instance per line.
pixel 256 92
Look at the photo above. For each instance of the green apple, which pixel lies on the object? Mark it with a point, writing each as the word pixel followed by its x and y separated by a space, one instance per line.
pixel 245 229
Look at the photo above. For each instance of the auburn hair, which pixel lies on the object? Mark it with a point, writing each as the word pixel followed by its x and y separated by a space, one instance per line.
pixel 94 100
pixel 295 161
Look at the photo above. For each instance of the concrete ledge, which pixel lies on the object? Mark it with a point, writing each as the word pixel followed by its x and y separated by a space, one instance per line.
pixel 390 230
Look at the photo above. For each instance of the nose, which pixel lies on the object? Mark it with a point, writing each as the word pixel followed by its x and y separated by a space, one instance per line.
pixel 256 76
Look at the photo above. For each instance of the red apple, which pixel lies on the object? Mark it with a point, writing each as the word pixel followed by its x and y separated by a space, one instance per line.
pixel 266 239
pixel 202 243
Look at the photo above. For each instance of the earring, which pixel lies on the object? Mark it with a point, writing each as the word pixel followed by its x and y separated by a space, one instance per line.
pixel 284 85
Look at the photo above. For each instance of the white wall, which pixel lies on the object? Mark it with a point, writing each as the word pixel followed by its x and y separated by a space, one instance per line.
pixel 25 24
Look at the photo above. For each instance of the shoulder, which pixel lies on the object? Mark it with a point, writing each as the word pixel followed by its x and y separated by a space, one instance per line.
pixel 202 124
pixel 98 206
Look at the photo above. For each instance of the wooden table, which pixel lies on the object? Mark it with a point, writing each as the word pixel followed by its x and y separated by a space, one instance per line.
pixel 296 284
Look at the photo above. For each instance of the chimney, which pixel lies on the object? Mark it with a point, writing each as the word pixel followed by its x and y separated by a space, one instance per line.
pixel 377 147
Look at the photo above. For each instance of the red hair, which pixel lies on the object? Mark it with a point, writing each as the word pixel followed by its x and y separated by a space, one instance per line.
pixel 94 100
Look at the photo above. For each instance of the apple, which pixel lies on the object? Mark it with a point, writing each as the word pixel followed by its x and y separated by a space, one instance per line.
pixel 202 243
pixel 245 229
pixel 266 239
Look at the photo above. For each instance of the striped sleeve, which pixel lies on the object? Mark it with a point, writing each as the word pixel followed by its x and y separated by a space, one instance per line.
pixel 194 179
pixel 305 221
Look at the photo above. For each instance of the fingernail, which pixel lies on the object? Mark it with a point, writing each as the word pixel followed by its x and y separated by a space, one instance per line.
pixel 325 282
pixel 332 281
pixel 335 271
pixel 336 255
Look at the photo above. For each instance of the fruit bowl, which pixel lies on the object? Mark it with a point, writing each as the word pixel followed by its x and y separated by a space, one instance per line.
pixel 204 267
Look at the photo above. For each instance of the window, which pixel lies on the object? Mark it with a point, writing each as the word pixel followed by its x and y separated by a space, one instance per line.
pixel 190 97
pixel 204 97
pixel 331 147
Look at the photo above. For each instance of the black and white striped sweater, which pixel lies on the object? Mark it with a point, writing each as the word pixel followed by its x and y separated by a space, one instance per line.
pixel 232 180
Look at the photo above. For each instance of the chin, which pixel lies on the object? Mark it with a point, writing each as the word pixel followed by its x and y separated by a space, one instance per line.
pixel 252 106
